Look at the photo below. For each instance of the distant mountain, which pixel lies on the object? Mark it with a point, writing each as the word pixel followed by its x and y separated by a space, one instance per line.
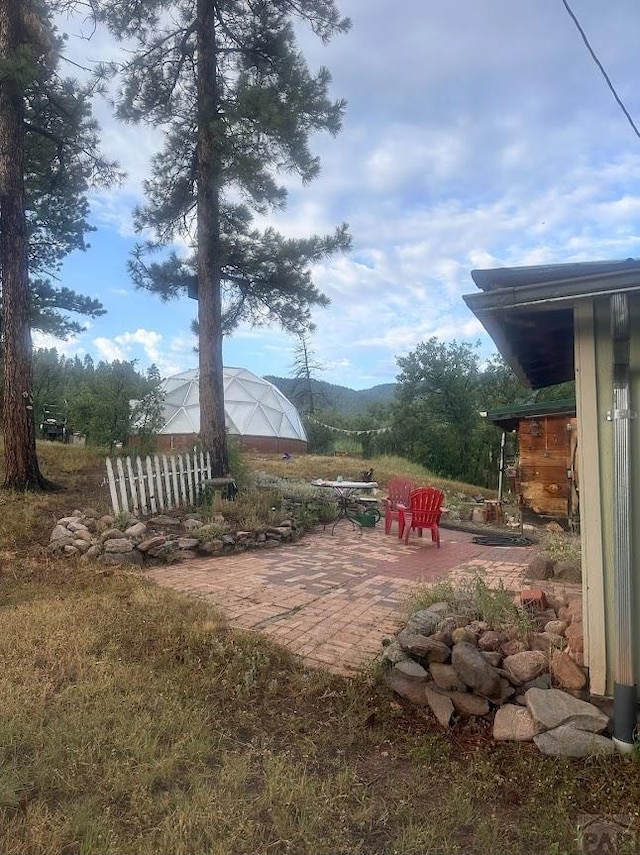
pixel 351 402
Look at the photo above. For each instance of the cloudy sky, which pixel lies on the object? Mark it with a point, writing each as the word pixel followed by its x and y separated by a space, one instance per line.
pixel 478 134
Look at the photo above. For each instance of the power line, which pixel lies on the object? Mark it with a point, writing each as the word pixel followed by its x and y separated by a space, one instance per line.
pixel 601 67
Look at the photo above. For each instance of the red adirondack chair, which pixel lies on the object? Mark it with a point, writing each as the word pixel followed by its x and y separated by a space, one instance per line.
pixel 398 490
pixel 424 511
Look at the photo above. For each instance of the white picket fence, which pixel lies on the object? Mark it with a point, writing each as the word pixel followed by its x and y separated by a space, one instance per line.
pixel 159 483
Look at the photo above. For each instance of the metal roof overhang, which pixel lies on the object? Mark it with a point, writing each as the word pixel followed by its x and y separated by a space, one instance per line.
pixel 508 418
pixel 531 321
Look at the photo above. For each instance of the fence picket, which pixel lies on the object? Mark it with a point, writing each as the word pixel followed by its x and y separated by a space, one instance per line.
pixel 159 487
pixel 167 481
pixel 112 487
pixel 189 478
pixel 141 487
pixel 151 486
pixel 132 487
pixel 122 483
pixel 174 478
pixel 158 483
pixel 183 488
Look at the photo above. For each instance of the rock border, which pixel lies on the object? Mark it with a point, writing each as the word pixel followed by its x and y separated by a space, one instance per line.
pixel 90 536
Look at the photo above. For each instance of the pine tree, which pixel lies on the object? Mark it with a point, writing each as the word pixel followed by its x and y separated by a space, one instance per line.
pixel 48 153
pixel 305 366
pixel 226 80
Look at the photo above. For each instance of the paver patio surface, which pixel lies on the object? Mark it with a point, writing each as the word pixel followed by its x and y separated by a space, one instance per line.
pixel 333 598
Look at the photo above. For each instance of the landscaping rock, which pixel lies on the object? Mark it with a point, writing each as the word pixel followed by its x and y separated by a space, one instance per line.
pixel 552 708
pixel 490 641
pixel 446 677
pixel 541 682
pixel 138 531
pixel 556 627
pixel 93 551
pixel 111 534
pixel 410 687
pixel 423 647
pixel 116 558
pixel 439 704
pixel 567 571
pixel 493 657
pixel 423 622
pixel 188 542
pixel 164 519
pixel 526 666
pixel 192 524
pixel 567 741
pixel 468 705
pixel 474 669
pixel 555 602
pixel 567 673
pixel 540 567
pixel 393 653
pixel 464 635
pixel 210 547
pixel 152 543
pixel 513 724
pixel 412 671
pixel 120 545
pixel 58 532
pixel 510 648
pixel 545 642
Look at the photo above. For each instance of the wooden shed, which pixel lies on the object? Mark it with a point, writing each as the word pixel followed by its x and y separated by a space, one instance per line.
pixel 543 468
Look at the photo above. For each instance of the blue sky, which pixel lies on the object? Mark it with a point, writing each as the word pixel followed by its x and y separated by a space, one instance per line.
pixel 476 135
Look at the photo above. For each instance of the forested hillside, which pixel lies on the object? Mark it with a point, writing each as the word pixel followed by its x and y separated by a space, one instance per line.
pixel 327 396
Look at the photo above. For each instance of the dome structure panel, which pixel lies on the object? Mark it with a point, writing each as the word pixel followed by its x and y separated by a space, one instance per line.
pixel 254 408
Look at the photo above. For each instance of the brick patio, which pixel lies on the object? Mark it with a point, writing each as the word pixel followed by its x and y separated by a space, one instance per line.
pixel 333 598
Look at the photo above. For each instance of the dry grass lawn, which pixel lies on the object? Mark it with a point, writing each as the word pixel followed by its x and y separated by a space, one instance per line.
pixel 134 722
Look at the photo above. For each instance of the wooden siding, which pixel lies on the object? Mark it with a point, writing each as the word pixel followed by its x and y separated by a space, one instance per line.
pixel 546 452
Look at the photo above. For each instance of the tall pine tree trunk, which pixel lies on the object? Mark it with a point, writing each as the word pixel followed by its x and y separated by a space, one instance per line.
pixel 18 423
pixel 212 421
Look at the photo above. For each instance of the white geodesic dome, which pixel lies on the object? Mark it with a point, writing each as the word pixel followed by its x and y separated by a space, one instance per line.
pixel 255 409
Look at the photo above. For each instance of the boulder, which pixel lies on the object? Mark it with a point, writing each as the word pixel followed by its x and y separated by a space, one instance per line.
pixel 152 543
pixel 423 622
pixel 408 683
pixel 393 653
pixel 412 670
pixel 468 705
pixel 464 635
pixel 526 666
pixel 137 531
pixel 552 708
pixel 566 672
pixel 490 640
pixel 509 648
pixel 58 532
pixel 210 547
pixel 165 520
pixel 474 670
pixel 423 647
pixel 540 567
pixel 192 524
pixel 446 677
pixel 556 627
pixel 493 657
pixel 439 704
pixel 118 545
pixel 546 641
pixel 567 741
pixel 111 534
pixel 513 724
pixel 567 571
pixel 188 542
pixel 93 551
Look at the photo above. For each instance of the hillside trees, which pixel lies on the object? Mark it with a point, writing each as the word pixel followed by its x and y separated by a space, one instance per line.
pixel 48 154
pixel 226 80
